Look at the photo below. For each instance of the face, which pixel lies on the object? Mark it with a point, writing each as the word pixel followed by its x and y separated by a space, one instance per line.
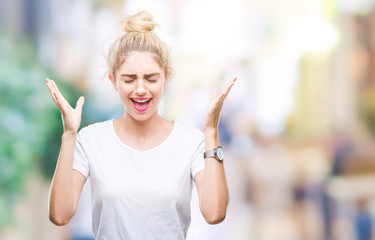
pixel 140 83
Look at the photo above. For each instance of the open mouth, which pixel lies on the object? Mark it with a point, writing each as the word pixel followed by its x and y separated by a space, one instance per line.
pixel 141 104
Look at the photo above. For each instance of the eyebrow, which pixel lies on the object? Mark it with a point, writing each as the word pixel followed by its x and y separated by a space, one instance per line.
pixel 152 74
pixel 135 75
pixel 129 75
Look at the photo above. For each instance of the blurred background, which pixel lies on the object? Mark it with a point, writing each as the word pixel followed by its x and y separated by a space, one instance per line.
pixel 298 126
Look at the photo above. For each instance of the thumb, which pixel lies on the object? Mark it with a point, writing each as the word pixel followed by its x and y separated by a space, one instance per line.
pixel 213 95
pixel 80 102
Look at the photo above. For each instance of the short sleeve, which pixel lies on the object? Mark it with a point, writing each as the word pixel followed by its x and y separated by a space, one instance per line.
pixel 198 162
pixel 80 162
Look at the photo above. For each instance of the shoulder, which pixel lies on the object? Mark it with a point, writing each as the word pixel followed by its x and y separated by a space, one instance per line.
pixel 96 128
pixel 189 131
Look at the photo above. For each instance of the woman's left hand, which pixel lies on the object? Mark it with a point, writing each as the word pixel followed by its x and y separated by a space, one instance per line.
pixel 211 122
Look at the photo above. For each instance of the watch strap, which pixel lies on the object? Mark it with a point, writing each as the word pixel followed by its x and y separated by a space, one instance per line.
pixel 210 153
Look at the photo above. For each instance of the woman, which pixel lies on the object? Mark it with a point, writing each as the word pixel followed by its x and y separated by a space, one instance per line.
pixel 141 166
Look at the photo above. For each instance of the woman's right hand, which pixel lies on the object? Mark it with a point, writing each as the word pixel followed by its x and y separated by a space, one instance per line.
pixel 71 117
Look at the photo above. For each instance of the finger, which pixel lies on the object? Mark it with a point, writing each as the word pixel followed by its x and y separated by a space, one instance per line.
pixel 57 100
pixel 80 103
pixel 229 86
pixel 230 82
pixel 53 83
pixel 50 88
pixel 224 94
pixel 50 82
pixel 54 98
pixel 61 98
pixel 58 97
pixel 57 91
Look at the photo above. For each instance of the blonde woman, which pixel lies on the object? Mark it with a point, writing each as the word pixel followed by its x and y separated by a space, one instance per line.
pixel 141 166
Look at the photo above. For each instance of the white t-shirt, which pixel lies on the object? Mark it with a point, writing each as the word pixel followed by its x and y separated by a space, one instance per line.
pixel 139 194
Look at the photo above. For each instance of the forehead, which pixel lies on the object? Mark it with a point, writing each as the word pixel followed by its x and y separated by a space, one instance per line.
pixel 140 62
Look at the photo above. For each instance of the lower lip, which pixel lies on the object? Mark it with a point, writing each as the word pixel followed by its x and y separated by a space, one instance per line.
pixel 141 109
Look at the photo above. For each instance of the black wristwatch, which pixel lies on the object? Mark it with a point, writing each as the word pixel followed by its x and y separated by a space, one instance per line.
pixel 217 153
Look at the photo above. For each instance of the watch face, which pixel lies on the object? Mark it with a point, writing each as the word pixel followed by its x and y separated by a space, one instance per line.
pixel 220 153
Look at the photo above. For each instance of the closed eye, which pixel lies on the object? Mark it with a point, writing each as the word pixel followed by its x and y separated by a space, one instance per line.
pixel 128 78
pixel 152 77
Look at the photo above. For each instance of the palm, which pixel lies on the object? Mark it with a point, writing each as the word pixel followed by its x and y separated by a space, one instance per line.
pixel 213 113
pixel 71 116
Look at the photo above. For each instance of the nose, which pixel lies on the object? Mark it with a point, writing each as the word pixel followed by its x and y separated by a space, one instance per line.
pixel 140 88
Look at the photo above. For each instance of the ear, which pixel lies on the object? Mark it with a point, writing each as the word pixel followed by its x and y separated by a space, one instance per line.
pixel 113 81
pixel 167 78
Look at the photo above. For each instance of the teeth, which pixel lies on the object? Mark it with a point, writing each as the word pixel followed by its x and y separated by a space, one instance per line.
pixel 141 101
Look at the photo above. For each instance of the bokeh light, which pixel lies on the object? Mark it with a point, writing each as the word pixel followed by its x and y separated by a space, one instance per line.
pixel 298 127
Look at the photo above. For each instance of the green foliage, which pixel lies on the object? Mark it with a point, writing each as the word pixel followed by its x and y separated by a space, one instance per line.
pixel 30 126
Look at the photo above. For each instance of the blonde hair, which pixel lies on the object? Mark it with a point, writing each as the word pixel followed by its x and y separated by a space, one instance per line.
pixel 138 36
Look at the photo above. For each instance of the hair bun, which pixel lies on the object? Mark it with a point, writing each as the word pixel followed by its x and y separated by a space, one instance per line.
pixel 140 22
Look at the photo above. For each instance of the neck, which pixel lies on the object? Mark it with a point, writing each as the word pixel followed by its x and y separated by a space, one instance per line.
pixel 141 128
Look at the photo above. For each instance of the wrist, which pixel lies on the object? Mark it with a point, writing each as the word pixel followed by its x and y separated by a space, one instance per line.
pixel 208 132
pixel 69 134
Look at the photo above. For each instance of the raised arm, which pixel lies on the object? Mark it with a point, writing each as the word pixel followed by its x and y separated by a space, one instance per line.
pixel 67 184
pixel 211 182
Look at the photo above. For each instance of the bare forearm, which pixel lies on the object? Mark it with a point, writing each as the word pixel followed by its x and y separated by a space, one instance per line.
pixel 215 191
pixel 61 192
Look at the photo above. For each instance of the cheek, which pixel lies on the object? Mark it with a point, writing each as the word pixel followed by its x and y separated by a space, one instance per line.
pixel 124 91
pixel 159 91
pixel 158 95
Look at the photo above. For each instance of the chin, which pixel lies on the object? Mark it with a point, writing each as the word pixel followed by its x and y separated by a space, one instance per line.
pixel 143 116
